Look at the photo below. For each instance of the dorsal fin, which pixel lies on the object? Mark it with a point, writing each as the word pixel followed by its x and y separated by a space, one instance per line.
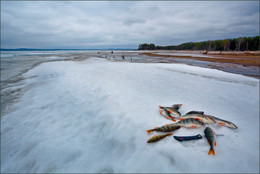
pixel 195 112
pixel 176 106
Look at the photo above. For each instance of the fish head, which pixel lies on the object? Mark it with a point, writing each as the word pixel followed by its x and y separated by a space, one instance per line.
pixel 208 129
pixel 230 125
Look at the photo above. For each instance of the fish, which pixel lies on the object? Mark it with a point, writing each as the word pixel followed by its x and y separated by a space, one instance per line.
pixel 211 137
pixel 173 110
pixel 225 123
pixel 165 128
pixel 158 137
pixel 166 114
pixel 190 123
pixel 198 115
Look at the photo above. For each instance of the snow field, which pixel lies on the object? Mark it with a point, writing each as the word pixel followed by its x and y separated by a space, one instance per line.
pixel 92 116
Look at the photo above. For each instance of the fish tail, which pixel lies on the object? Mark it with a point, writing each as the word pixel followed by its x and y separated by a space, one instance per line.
pixel 211 151
pixel 149 131
pixel 173 118
pixel 169 134
pixel 160 107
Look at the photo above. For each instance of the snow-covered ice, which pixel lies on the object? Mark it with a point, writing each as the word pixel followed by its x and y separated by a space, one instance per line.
pixel 92 116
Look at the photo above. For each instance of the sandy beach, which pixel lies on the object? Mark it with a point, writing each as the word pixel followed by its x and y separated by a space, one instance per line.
pixel 243 58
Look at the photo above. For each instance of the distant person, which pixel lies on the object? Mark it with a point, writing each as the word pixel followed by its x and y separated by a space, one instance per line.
pixel 123 57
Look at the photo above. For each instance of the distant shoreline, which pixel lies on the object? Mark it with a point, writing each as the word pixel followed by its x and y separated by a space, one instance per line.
pixel 246 58
pixel 35 49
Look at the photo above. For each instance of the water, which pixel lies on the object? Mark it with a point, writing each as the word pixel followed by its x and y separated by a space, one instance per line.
pixel 15 63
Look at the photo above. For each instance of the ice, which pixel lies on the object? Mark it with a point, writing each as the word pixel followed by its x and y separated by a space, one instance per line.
pixel 92 116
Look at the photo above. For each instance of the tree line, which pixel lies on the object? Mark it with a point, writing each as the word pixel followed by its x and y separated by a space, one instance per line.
pixel 236 44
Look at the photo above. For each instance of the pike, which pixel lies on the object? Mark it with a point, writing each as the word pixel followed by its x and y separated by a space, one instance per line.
pixel 198 115
pixel 225 123
pixel 211 137
pixel 157 138
pixel 190 123
pixel 173 110
pixel 165 128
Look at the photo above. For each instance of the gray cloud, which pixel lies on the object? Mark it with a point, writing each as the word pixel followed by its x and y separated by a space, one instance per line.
pixel 112 24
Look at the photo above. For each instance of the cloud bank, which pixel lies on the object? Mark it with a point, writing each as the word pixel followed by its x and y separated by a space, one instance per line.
pixel 123 24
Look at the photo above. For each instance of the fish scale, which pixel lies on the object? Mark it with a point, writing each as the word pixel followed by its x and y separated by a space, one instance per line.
pixel 191 123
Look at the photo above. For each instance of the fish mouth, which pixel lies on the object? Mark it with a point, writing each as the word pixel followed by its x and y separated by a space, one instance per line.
pixel 232 125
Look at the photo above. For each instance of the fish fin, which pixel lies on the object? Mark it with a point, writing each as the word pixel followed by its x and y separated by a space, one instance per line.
pixel 215 143
pixel 149 131
pixel 167 124
pixel 221 124
pixel 160 107
pixel 177 106
pixel 181 119
pixel 198 119
pixel 170 134
pixel 173 119
pixel 193 126
pixel 211 151
pixel 195 112
pixel 156 127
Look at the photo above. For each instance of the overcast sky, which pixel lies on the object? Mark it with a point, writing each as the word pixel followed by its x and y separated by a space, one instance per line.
pixel 123 24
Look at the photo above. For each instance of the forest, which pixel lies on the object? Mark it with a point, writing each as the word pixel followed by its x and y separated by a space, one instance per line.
pixel 235 44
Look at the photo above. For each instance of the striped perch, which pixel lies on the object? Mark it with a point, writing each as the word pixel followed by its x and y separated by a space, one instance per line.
pixel 190 123
pixel 158 137
pixel 166 114
pixel 173 110
pixel 165 128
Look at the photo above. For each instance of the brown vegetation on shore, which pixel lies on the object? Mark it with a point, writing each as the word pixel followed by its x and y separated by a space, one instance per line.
pixel 243 58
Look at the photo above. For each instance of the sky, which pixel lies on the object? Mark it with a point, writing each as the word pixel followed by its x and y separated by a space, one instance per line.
pixel 123 24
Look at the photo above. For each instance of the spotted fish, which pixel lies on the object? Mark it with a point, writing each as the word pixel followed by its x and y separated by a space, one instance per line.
pixel 165 128
pixel 158 137
pixel 211 137
pixel 190 123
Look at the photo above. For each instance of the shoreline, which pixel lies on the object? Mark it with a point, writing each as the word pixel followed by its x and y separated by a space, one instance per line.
pixel 234 62
pixel 236 58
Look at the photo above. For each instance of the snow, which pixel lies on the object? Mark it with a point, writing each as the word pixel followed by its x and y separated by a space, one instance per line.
pixel 92 116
